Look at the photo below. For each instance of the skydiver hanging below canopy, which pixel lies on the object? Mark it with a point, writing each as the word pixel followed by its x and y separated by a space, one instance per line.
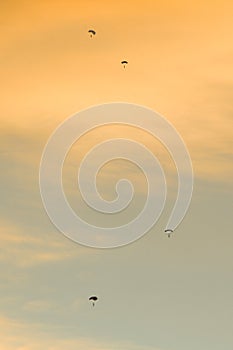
pixel 92 32
pixel 169 232
pixel 124 63
pixel 93 299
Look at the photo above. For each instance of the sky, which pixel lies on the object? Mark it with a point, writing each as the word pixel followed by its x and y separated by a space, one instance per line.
pixel 155 293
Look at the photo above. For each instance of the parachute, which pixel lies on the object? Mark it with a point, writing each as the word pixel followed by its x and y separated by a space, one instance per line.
pixel 169 232
pixel 124 63
pixel 92 32
pixel 93 299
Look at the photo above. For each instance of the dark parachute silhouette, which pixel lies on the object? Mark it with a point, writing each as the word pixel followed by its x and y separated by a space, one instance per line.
pixel 93 299
pixel 92 32
pixel 124 63
pixel 169 232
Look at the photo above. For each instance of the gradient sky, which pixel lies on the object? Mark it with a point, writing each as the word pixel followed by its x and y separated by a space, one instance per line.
pixel 155 294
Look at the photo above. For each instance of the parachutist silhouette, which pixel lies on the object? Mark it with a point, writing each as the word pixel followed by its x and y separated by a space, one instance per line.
pixel 124 63
pixel 93 299
pixel 169 232
pixel 92 32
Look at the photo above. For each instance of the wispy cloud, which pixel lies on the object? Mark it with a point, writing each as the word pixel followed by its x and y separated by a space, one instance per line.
pixel 24 336
pixel 35 249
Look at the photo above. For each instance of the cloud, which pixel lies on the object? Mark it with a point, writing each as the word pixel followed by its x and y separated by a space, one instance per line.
pixel 24 336
pixel 46 306
pixel 36 248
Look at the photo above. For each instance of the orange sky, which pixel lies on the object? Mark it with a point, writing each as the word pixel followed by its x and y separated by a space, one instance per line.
pixel 179 57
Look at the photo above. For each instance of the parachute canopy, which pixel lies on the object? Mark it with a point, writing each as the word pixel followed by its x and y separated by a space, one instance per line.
pixel 93 298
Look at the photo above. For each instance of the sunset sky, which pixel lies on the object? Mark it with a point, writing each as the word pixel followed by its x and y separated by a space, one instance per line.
pixel 156 293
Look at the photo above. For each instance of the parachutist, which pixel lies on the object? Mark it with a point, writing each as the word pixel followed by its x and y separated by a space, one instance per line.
pixel 169 232
pixel 92 32
pixel 93 299
pixel 124 63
